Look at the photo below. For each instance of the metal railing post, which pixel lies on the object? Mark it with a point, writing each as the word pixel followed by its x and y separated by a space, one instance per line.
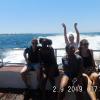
pixel 56 53
pixel 2 64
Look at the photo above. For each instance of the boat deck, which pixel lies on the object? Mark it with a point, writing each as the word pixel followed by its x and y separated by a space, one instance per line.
pixel 35 95
pixel 13 88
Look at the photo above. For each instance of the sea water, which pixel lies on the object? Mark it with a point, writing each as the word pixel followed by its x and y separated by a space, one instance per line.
pixel 13 45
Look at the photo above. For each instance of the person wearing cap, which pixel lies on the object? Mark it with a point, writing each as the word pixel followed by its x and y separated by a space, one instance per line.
pixel 70 39
pixel 31 55
pixel 72 67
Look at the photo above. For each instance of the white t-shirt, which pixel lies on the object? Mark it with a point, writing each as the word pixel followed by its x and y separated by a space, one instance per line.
pixel 75 45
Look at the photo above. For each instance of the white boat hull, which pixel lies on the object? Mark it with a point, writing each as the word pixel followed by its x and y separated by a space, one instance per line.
pixel 10 77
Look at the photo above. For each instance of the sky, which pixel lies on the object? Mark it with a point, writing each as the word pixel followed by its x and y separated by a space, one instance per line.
pixel 46 16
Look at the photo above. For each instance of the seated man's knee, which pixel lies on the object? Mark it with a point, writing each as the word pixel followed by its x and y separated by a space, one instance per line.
pixel 24 69
pixel 24 75
pixel 64 81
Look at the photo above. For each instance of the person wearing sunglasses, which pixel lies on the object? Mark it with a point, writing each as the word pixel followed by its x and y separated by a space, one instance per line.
pixel 70 39
pixel 86 54
pixel 88 64
pixel 31 55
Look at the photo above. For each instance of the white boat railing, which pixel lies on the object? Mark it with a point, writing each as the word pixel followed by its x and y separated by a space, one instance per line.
pixel 60 56
pixel 2 63
pixel 56 50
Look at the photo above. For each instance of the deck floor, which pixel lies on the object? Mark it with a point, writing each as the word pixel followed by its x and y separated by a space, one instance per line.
pixel 18 94
pixel 10 96
pixel 34 95
pixel 28 95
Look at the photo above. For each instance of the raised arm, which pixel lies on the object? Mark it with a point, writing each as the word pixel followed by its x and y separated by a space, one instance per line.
pixel 78 34
pixel 65 34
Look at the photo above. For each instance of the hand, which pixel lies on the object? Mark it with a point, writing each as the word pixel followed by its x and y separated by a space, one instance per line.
pixel 63 25
pixel 85 75
pixel 75 24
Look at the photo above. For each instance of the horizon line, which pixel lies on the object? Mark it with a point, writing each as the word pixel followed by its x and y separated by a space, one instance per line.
pixel 43 32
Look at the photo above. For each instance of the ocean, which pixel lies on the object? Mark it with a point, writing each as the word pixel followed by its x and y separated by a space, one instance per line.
pixel 13 45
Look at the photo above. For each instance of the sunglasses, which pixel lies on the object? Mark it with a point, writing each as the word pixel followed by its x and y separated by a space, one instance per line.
pixel 86 44
pixel 34 43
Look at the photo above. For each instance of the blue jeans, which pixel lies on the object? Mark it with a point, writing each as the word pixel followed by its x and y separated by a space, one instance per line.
pixel 33 66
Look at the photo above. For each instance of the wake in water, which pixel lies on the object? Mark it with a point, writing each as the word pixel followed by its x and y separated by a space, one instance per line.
pixel 16 55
